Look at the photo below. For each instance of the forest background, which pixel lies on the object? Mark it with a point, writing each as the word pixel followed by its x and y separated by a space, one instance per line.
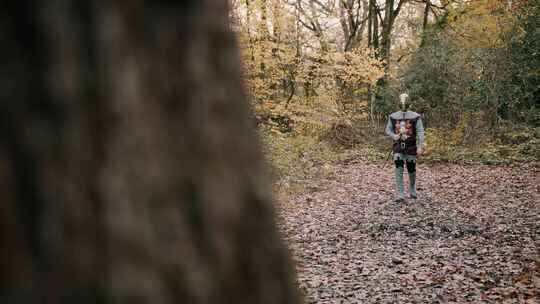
pixel 322 76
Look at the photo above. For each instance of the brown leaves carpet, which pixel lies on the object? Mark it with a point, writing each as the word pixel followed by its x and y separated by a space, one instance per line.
pixel 473 236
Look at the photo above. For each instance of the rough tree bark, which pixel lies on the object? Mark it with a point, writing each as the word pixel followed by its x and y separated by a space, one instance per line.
pixel 128 169
pixel 375 24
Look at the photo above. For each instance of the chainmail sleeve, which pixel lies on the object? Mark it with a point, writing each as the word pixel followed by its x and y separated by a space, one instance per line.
pixel 420 134
pixel 390 128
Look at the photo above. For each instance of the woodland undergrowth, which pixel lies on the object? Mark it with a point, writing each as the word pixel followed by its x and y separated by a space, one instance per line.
pixel 300 162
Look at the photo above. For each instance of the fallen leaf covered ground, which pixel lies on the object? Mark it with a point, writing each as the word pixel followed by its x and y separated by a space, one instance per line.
pixel 473 236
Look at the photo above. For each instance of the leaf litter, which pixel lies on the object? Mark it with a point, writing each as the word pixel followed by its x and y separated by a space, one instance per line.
pixel 473 236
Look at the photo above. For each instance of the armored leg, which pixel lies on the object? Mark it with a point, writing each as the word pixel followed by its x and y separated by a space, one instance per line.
pixel 411 169
pixel 399 179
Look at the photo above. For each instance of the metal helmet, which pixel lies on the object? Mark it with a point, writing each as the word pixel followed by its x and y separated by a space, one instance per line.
pixel 404 102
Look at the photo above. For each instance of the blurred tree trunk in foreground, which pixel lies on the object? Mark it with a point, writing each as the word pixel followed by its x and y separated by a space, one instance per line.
pixel 128 169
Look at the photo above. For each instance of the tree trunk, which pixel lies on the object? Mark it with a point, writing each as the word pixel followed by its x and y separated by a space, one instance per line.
pixel 425 23
pixel 370 22
pixel 362 27
pixel 352 23
pixel 128 168
pixel 375 39
pixel 386 33
pixel 426 16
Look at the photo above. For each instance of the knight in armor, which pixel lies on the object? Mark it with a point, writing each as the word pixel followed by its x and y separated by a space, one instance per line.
pixel 406 130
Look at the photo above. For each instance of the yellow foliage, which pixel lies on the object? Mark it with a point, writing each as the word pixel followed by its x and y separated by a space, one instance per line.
pixel 278 70
pixel 357 66
pixel 480 23
pixel 458 133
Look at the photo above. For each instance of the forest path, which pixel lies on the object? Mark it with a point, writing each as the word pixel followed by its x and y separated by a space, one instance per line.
pixel 473 236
